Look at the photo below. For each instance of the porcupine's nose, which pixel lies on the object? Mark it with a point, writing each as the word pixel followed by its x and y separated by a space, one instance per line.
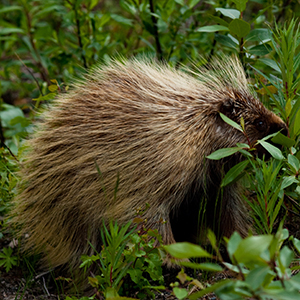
pixel 279 127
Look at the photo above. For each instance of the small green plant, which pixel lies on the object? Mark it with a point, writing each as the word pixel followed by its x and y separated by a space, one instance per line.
pixel 261 264
pixel 126 254
pixel 111 262
pixel 267 182
pixel 8 180
pixel 7 260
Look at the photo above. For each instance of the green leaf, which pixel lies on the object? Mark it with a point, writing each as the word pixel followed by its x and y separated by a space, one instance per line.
pixel 10 8
pixel 297 61
pixel 47 97
pixel 212 28
pixel 128 7
pixel 218 20
pixel 271 63
pixel 230 13
pixel 121 19
pixel 281 139
pixel 10 30
pixel 221 153
pixel 180 293
pixel 110 293
pixel 186 250
pixel 52 87
pixel 274 292
pixel 135 274
pixel 231 122
pixel 295 281
pixel 93 3
pixel 233 243
pixel 20 120
pixel 287 181
pixel 275 152
pixel 259 35
pixel 8 113
pixel 243 145
pixel 104 19
pixel 256 277
pixel 260 50
pixel 212 238
pixel 239 27
pixel 296 125
pixel 204 266
pixel 240 4
pixel 245 153
pixel 226 41
pixel 234 173
pixel 251 248
pixel 296 243
pixel 192 3
pixel 294 162
pixel 46 11
pixel 268 136
pixel 285 257
pixel 7 260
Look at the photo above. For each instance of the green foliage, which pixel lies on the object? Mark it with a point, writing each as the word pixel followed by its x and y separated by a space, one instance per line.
pixel 267 183
pixel 128 254
pixel 239 37
pixel 261 264
pixel 8 165
pixel 40 40
pixel 14 127
pixel 285 61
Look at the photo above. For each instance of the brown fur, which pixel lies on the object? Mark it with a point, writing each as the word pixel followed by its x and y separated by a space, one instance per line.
pixel 152 126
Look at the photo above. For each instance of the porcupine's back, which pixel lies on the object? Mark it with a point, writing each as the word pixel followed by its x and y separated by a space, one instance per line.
pixel 149 124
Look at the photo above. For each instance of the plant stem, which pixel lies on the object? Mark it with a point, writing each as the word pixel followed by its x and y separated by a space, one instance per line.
pixel 154 21
pixel 78 29
pixel 43 71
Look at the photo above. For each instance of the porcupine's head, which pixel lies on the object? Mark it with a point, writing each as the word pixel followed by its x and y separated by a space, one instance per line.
pixel 259 121
pixel 234 98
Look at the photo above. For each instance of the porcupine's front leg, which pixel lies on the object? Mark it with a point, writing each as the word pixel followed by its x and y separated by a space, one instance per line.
pixel 161 222
pixel 234 215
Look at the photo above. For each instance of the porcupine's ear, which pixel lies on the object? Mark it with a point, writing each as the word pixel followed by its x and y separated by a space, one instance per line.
pixel 228 108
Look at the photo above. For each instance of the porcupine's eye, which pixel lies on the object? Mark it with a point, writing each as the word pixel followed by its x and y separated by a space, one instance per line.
pixel 260 125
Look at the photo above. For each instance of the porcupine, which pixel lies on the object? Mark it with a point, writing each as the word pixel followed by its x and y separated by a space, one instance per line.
pixel 152 126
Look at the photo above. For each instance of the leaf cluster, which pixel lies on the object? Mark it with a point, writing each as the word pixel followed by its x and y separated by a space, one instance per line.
pixel 126 254
pixel 261 264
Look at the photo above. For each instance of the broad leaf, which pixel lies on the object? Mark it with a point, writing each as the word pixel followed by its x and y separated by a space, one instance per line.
pixel 186 250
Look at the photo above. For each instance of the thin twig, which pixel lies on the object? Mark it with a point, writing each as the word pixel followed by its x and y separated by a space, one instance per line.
pixel 2 141
pixel 43 71
pixel 36 81
pixel 154 21
pixel 294 202
pixel 78 33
